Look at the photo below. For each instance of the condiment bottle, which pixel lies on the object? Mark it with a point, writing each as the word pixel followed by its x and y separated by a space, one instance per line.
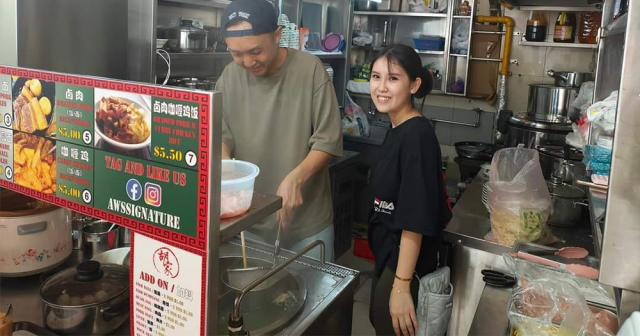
pixel 588 27
pixel 536 27
pixel 564 29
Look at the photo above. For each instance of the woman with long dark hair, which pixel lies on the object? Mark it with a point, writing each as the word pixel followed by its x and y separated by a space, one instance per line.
pixel 409 203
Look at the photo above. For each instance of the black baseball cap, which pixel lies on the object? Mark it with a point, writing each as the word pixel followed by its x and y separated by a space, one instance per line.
pixel 259 13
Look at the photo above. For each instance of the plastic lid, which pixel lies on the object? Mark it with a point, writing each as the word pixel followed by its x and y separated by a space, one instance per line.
pixel 90 283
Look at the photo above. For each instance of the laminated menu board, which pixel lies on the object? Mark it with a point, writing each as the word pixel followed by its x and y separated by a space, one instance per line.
pixel 130 153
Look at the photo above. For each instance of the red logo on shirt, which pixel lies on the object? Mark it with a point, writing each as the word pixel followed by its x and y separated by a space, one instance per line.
pixel 382 206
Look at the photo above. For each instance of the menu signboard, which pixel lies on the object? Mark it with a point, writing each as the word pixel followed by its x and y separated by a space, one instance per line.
pixel 133 154
pixel 165 281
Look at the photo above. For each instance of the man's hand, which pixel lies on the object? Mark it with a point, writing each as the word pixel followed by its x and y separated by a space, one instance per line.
pixel 290 190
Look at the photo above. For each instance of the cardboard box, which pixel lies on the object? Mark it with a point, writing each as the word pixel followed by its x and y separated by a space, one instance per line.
pixel 486 45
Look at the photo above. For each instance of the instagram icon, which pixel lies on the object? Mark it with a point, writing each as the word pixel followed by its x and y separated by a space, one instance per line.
pixel 152 194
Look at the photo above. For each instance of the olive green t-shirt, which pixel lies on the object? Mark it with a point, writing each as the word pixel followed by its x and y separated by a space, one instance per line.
pixel 274 122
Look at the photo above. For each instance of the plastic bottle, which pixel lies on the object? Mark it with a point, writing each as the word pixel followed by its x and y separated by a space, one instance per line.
pixel 564 31
pixel 588 27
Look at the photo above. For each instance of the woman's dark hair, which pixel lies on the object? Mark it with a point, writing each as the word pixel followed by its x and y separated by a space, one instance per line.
pixel 410 61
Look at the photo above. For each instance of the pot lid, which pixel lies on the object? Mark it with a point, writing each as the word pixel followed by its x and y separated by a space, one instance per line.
pixel 558 152
pixel 564 190
pixel 540 125
pixel 88 284
pixel 13 204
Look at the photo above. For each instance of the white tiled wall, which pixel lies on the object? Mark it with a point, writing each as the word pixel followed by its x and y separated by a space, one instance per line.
pixel 8 33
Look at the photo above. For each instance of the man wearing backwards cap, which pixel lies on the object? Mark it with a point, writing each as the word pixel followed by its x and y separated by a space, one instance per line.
pixel 280 112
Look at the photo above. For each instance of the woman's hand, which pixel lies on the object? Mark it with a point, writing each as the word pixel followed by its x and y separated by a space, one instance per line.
pixel 403 313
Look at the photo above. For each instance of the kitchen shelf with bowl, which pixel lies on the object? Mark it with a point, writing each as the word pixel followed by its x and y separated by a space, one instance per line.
pixel 414 14
pixel 558 44
pixel 262 205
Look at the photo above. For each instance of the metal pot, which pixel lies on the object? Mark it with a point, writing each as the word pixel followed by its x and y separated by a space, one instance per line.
pixel 36 236
pixel 534 134
pixel 89 299
pixel 569 78
pixel 566 166
pixel 568 204
pixel 187 38
pixel 99 236
pixel 550 103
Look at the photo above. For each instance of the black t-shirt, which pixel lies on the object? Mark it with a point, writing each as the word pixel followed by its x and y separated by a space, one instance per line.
pixel 408 194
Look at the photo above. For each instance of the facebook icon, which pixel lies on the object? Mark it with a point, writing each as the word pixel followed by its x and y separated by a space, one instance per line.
pixel 134 190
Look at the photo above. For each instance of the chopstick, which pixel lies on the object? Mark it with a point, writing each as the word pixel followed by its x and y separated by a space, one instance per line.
pixel 244 251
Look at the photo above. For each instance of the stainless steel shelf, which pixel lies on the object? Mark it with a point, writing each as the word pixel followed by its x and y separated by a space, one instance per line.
pixel 262 206
pixel 198 3
pixel 188 64
pixel 488 32
pixel 617 26
pixel 560 8
pixel 558 45
pixel 429 52
pixel 486 59
pixel 461 17
pixel 434 15
pixel 457 55
pixel 323 55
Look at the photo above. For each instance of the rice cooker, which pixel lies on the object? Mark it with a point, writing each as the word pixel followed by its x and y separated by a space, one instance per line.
pixel 36 236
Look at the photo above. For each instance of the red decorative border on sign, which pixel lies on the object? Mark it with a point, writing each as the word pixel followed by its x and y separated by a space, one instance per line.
pixel 192 244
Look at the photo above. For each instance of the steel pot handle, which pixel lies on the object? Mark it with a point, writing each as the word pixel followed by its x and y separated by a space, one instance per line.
pixel 109 313
pixel 32 228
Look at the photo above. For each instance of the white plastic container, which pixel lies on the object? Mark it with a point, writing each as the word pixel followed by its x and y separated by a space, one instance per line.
pixel 236 192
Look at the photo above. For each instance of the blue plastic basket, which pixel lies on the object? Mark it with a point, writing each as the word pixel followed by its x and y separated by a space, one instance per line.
pixel 431 43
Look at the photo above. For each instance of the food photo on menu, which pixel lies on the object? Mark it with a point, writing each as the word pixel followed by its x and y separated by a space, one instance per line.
pixel 123 123
pixel 34 162
pixel 33 106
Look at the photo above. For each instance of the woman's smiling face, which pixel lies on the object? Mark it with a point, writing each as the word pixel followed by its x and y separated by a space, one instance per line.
pixel 390 86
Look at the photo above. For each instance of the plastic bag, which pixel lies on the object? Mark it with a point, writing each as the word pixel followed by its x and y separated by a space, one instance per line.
pixel 460 39
pixel 603 113
pixel 354 120
pixel 591 290
pixel 585 96
pixel 518 196
pixel 433 6
pixel 548 307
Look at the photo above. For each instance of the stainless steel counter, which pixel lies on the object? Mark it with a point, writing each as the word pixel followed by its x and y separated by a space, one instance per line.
pixel 471 223
pixel 472 253
pixel 329 305
pixel 491 313
pixel 327 310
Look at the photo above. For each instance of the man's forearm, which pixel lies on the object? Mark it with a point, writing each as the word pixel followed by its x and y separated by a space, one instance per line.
pixel 314 162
